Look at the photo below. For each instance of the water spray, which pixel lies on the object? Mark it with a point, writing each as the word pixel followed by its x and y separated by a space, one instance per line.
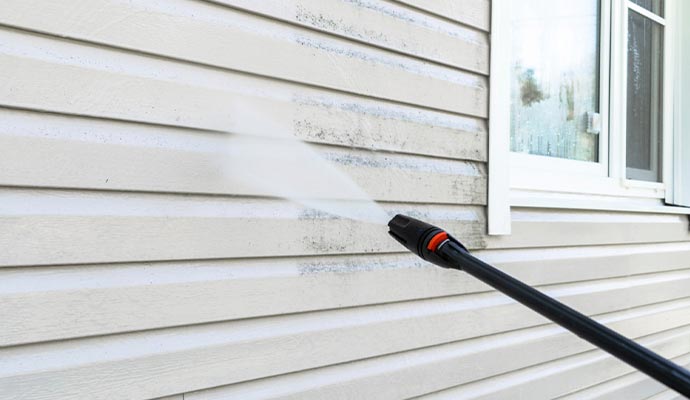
pixel 435 245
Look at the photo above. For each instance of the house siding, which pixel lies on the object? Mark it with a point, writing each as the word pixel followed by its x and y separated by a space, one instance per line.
pixel 628 270
pixel 132 267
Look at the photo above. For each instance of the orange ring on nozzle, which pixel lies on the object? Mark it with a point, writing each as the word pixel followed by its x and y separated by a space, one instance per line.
pixel 436 240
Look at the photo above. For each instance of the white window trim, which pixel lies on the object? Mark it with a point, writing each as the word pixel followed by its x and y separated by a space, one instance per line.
pixel 673 165
pixel 672 66
pixel 498 202
pixel 537 181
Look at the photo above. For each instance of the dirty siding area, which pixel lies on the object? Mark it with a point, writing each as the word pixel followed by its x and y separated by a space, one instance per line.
pixel 160 263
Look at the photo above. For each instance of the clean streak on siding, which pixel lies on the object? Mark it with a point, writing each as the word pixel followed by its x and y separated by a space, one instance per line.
pixel 310 115
pixel 61 227
pixel 187 161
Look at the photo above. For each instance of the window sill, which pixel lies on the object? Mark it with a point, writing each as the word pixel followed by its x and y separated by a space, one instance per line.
pixel 546 182
pixel 592 202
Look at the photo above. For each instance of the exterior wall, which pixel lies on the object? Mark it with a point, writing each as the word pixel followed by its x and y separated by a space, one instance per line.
pixel 131 267
pixel 629 270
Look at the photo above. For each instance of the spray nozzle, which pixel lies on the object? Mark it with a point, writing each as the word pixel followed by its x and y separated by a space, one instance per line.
pixel 421 238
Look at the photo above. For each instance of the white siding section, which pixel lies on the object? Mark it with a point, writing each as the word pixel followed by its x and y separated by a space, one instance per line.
pixel 592 374
pixel 632 385
pixel 133 267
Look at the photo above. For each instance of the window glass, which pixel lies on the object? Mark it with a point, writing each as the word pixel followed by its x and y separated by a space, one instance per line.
pixel 644 98
pixel 655 6
pixel 555 78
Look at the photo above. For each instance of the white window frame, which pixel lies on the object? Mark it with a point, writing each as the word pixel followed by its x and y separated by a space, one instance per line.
pixel 673 167
pixel 537 181
pixel 619 85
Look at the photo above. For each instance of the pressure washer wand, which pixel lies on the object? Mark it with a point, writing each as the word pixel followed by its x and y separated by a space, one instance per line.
pixel 438 247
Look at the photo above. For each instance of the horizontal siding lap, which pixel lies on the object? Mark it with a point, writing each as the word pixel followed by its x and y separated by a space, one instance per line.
pixel 559 377
pixel 415 373
pixel 212 35
pixel 634 385
pixel 194 292
pixel 82 154
pixel 215 354
pixel 546 228
pixel 175 94
pixel 357 122
pixel 134 257
pixel 472 12
pixel 563 264
pixel 309 115
pixel 667 395
pixel 62 227
pixel 383 24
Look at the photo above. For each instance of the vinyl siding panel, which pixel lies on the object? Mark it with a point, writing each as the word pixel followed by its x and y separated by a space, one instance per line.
pixel 167 92
pixel 60 227
pixel 632 385
pixel 187 161
pixel 132 256
pixel 421 373
pixel 471 12
pixel 545 228
pixel 219 288
pixel 133 264
pixel 397 28
pixel 214 35
pixel 666 395
pixel 549 380
pixel 591 374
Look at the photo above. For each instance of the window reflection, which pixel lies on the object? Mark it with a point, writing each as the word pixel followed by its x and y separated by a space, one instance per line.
pixel 555 78
pixel 644 98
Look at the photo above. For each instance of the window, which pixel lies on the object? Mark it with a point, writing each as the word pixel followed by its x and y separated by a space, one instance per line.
pixel 557 58
pixel 644 90
pixel 555 79
pixel 559 55
pixel 581 104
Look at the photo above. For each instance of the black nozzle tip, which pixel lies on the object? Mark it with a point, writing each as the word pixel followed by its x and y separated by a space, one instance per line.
pixel 417 235
pixel 412 233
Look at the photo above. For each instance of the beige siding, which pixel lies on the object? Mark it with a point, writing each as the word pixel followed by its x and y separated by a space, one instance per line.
pixel 629 386
pixel 504 351
pixel 667 395
pixel 615 242
pixel 133 267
